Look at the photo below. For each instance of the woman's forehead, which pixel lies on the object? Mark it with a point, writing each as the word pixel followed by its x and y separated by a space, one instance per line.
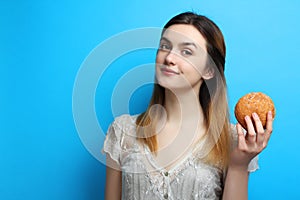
pixel 184 33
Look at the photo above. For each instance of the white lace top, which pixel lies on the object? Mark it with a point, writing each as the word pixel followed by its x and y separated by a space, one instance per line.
pixel 142 179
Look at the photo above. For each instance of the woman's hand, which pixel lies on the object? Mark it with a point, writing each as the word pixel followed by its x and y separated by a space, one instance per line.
pixel 251 143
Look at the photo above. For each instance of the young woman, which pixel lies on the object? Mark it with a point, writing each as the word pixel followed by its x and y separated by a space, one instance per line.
pixel 183 146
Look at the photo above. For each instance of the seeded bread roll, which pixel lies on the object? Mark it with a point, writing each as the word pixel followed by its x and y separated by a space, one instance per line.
pixel 254 102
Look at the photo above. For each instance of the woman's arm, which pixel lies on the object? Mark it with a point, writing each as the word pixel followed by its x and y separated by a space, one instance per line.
pixel 113 189
pixel 236 184
pixel 249 145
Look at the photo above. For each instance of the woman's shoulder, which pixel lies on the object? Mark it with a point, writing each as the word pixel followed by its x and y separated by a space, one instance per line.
pixel 121 136
pixel 125 121
pixel 124 125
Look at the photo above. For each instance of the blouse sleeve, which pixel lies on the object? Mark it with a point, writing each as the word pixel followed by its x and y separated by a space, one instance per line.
pixel 253 165
pixel 112 143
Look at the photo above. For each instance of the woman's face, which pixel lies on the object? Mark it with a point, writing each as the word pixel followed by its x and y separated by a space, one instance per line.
pixel 181 58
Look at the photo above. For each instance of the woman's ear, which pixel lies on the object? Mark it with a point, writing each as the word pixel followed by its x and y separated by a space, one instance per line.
pixel 209 73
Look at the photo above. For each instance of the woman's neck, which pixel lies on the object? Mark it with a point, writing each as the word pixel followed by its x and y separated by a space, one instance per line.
pixel 183 128
pixel 183 106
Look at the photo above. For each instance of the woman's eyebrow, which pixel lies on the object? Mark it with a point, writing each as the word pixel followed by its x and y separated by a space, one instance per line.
pixel 188 44
pixel 163 38
pixel 181 44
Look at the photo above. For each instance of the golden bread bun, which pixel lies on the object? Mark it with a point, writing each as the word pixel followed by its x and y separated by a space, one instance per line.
pixel 252 102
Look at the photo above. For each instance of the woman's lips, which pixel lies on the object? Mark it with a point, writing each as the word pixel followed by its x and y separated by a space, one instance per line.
pixel 168 71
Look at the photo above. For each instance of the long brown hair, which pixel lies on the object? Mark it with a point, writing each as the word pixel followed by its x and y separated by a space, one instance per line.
pixel 212 95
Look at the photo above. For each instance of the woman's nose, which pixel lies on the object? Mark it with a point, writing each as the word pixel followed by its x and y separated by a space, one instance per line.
pixel 171 58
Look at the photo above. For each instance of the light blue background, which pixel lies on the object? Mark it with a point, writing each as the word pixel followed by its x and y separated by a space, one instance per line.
pixel 43 44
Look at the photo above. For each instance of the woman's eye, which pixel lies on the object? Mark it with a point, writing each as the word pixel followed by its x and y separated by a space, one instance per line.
pixel 187 52
pixel 165 47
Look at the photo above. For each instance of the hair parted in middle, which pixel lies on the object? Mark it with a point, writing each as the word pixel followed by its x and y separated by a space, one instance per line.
pixel 212 94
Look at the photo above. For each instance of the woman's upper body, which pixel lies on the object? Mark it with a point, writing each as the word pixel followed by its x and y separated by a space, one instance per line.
pixel 143 178
pixel 180 147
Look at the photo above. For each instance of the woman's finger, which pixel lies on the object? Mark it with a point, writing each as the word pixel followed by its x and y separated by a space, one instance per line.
pixel 260 132
pixel 269 127
pixel 251 135
pixel 241 138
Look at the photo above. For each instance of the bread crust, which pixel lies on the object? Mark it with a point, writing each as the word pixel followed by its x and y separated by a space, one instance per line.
pixel 257 102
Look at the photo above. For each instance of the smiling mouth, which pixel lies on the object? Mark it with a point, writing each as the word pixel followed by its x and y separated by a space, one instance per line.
pixel 168 71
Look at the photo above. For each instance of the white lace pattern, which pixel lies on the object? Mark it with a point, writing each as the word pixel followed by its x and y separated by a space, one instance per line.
pixel 142 179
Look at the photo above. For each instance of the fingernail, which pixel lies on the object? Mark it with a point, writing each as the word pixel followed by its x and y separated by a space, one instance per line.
pixel 254 115
pixel 270 113
pixel 247 117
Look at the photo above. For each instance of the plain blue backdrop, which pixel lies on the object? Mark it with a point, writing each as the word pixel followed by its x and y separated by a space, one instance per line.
pixel 43 44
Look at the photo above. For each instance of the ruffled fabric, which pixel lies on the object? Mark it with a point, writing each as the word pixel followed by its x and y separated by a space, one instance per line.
pixel 120 138
pixel 112 142
pixel 253 165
